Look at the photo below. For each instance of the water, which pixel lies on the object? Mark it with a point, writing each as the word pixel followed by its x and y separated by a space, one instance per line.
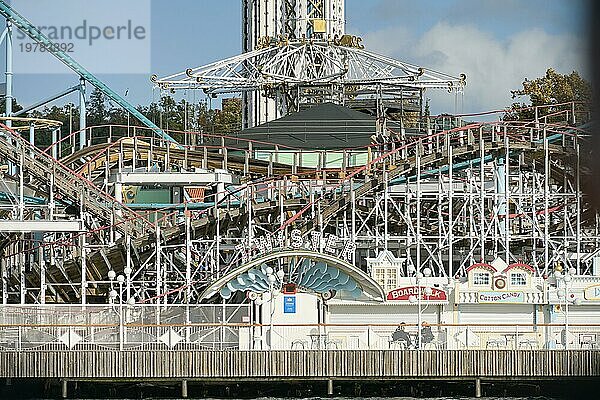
pixel 393 398
pixel 305 390
pixel 348 398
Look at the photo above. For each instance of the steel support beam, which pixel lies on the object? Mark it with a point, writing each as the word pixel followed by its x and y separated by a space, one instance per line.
pixel 23 226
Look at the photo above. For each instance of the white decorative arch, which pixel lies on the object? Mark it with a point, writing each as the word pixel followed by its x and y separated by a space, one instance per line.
pixel 371 288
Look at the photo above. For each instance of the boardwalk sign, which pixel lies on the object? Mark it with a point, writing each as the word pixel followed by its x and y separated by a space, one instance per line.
pixel 501 297
pixel 314 241
pixel 403 294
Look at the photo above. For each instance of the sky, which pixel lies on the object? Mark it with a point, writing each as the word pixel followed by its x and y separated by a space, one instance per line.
pixel 497 44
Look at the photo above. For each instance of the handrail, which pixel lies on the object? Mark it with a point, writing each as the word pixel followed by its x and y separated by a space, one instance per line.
pixel 38 123
pixel 287 147
pixel 39 156
pixel 242 325
pixel 420 141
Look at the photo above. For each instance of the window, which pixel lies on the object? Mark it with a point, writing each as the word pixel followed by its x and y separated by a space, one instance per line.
pixel 391 279
pixel 387 277
pixel 481 278
pixel 518 279
pixel 379 275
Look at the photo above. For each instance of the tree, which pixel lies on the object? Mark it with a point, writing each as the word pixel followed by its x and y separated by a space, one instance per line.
pixel 55 113
pixel 15 105
pixel 229 119
pixel 97 109
pixel 551 89
pixel 166 113
pixel 205 117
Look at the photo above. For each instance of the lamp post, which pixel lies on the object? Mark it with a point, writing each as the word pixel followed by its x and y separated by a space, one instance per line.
pixel 112 295
pixel 419 278
pixel 121 280
pixel 273 277
pixel 563 282
pixel 127 271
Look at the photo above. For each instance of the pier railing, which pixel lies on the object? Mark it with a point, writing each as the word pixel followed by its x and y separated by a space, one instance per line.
pixel 228 327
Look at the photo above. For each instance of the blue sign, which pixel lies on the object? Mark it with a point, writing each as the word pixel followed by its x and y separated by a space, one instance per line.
pixel 289 304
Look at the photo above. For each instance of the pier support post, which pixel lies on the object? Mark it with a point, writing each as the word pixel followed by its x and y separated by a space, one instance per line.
pixel 477 387
pixel 329 387
pixel 184 389
pixel 64 388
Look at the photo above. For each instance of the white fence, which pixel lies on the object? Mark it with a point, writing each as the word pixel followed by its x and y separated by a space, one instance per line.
pixel 228 327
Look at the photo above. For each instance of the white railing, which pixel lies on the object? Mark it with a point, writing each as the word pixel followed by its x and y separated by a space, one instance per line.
pixel 228 327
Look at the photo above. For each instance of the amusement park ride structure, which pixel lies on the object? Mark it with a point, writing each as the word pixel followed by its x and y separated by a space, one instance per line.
pixel 441 195
pixel 296 54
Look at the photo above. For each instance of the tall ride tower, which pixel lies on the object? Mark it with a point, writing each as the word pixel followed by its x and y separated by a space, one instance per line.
pixel 287 20
pixel 311 19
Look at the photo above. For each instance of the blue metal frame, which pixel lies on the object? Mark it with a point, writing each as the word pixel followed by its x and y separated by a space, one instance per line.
pixel 30 30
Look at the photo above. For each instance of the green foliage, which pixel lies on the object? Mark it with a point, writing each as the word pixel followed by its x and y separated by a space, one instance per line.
pixel 229 118
pixel 167 114
pixel 97 109
pixel 551 89
pixel 67 114
pixel 427 112
pixel 15 105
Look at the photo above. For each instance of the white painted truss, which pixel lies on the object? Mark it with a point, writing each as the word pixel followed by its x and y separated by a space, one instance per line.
pixel 445 200
pixel 284 65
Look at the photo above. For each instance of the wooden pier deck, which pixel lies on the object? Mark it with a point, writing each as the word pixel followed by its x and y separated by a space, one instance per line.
pixel 301 364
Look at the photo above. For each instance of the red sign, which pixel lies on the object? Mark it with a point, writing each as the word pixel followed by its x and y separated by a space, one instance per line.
pixel 289 288
pixel 406 292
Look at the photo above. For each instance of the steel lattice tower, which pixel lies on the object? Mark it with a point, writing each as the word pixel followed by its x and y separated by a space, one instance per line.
pixel 292 20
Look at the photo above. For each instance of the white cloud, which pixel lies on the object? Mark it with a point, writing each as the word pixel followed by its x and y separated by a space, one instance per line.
pixel 493 67
pixel 387 41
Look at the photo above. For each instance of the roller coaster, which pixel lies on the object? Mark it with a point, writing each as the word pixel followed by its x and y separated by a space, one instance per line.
pixel 442 196
pixel 447 200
